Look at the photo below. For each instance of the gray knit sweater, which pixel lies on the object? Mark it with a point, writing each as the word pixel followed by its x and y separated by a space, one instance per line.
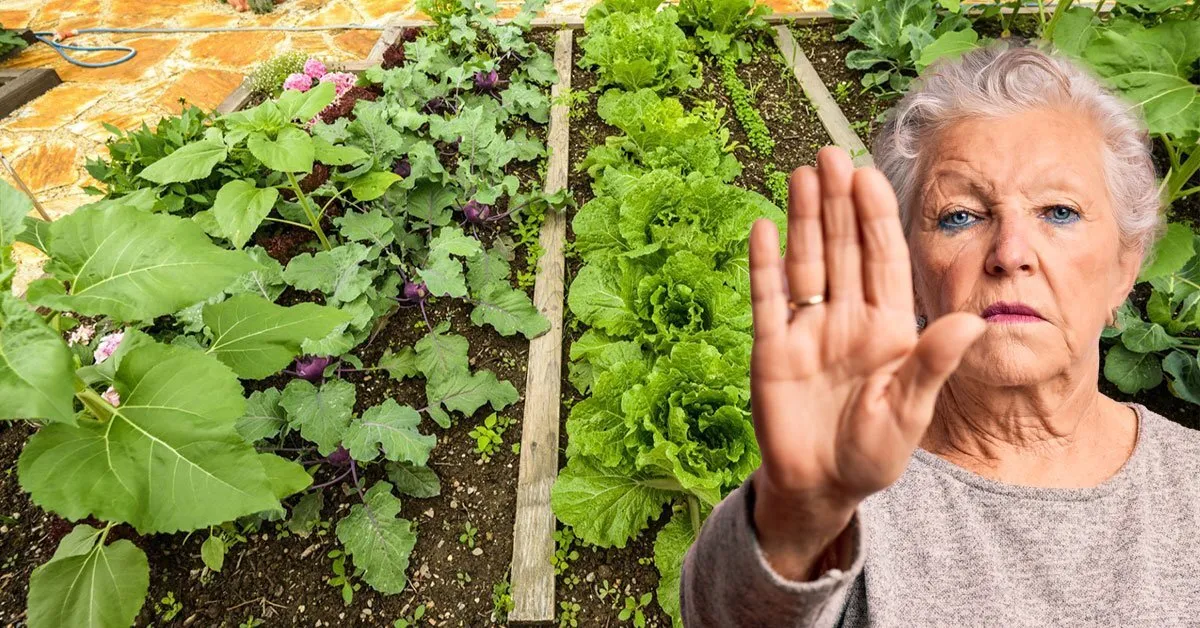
pixel 946 547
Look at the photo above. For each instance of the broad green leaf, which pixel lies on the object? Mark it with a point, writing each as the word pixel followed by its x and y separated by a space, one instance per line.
pixel 264 418
pixel 291 150
pixel 1132 372
pixel 36 366
pixel 1075 30
pixel 132 266
pixel 339 273
pixel 400 365
pixel 302 106
pixel 306 514
pixel 487 269
pixel 413 480
pixel 1185 375
pixel 509 311
pixel 597 300
pixel 951 45
pixel 379 542
pixel 336 155
pixel 1152 67
pixel 212 552
pixel 1170 253
pixel 101 587
pixel 392 428
pixel 190 162
pixel 322 414
pixel 240 208
pixel 14 206
pixel 266 281
pixel 430 203
pixel 606 507
pixel 285 477
pixel 168 459
pixel 372 185
pixel 1147 338
pixel 372 227
pixel 440 354
pixel 443 276
pixel 257 338
pixel 670 546
pixel 465 393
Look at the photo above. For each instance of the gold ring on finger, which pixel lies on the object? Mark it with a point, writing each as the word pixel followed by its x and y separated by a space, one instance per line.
pixel 816 299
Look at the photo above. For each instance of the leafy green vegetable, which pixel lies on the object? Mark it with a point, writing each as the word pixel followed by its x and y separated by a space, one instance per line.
pixel 241 207
pixel 35 366
pixel 321 414
pixel 894 34
pixel 166 459
pixel 130 265
pixel 257 338
pixel 190 162
pixel 392 428
pixel 88 583
pixel 379 542
pixel 725 26
pixel 640 49
pixel 606 507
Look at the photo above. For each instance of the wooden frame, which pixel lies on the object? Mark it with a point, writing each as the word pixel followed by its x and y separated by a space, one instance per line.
pixel 18 87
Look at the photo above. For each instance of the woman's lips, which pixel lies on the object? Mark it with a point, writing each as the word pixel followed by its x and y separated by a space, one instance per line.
pixel 1011 312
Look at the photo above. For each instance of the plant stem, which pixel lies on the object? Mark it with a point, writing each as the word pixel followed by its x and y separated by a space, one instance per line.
pixel 694 511
pixel 1179 176
pixel 289 222
pixel 333 481
pixel 312 218
pixel 95 404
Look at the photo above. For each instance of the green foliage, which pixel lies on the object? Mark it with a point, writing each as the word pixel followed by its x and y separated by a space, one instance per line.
pixel 660 135
pixel 502 602
pixel 645 48
pixel 489 435
pixel 268 76
pixel 257 338
pixel 894 34
pixel 379 541
pixel 568 616
pixel 36 367
pixel 468 536
pixel 633 609
pixel 564 551
pixel 745 108
pixel 725 26
pixel 88 582
pixel 341 579
pixel 10 40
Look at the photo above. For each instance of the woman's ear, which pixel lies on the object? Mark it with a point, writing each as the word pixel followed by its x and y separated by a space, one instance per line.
pixel 1131 266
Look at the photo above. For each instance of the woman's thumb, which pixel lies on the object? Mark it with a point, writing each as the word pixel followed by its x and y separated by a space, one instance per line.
pixel 938 353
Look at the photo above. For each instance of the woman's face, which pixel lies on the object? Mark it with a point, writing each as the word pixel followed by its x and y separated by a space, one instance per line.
pixel 1014 223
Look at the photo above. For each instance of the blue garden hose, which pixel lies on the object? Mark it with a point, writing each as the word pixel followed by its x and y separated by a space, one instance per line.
pixel 56 39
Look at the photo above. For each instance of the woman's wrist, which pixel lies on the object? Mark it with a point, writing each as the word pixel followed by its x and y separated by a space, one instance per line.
pixel 801 539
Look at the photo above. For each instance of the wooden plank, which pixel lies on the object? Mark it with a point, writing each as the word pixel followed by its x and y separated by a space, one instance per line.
pixel 828 111
pixel 237 99
pixel 22 86
pixel 385 40
pixel 533 531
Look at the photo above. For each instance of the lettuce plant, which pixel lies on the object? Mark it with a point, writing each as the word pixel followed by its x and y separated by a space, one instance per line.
pixel 645 48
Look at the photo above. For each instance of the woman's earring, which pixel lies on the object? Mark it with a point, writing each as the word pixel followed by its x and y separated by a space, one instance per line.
pixel 920 322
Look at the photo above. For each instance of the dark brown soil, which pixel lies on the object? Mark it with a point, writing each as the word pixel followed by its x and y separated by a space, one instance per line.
pixel 863 108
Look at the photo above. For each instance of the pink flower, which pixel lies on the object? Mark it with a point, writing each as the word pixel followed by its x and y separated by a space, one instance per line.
pixel 314 68
pixel 342 81
pixel 111 397
pixel 81 335
pixel 108 344
pixel 298 82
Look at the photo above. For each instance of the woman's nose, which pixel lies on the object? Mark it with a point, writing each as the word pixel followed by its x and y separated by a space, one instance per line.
pixel 1011 253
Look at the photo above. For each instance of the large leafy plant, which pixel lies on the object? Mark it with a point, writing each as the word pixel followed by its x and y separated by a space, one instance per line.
pixel 633 47
pixel 725 26
pixel 10 40
pixel 894 34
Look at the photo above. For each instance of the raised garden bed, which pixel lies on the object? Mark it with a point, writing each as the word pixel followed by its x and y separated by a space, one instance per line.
pixel 18 87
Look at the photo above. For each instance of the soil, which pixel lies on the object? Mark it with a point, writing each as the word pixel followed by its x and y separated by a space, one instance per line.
pixel 279 576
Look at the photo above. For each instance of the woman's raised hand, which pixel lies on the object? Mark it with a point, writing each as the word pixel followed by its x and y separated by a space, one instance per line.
pixel 842 390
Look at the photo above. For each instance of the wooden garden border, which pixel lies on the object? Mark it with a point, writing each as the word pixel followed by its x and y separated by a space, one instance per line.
pixel 533 530
pixel 828 111
pixel 18 87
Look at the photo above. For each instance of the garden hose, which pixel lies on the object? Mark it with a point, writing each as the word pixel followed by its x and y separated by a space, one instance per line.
pixel 56 39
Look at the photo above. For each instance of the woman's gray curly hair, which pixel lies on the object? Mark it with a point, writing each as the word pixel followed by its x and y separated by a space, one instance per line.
pixel 1001 80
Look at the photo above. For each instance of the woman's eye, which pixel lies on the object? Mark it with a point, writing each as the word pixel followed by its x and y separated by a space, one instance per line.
pixel 1061 214
pixel 957 220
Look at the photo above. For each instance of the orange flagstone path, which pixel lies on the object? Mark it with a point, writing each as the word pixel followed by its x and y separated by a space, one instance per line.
pixel 49 140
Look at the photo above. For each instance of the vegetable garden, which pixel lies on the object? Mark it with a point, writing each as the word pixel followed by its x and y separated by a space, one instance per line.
pixel 278 371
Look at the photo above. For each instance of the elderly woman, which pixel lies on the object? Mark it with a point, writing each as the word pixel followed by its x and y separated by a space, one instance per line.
pixel 970 474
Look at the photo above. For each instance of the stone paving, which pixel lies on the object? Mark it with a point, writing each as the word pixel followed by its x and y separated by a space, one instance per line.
pixel 49 140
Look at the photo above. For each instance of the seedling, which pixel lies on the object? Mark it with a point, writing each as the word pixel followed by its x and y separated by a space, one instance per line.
pixel 340 578
pixel 633 609
pixel 468 536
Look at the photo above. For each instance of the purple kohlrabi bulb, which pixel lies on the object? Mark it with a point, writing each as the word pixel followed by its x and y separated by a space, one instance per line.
pixel 486 82
pixel 415 291
pixel 311 367
pixel 476 211
pixel 339 458
pixel 402 168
